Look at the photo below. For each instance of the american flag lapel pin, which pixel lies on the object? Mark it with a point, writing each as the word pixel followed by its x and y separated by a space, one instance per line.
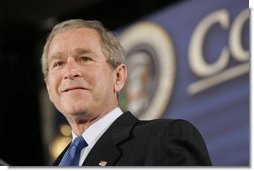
pixel 103 163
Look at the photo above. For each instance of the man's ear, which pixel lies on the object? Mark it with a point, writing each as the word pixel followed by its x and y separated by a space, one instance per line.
pixel 120 77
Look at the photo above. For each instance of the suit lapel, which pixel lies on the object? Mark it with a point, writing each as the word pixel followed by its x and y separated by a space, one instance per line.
pixel 105 151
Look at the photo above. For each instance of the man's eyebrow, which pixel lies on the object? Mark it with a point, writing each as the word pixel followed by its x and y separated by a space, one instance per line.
pixel 55 56
pixel 81 50
pixel 75 52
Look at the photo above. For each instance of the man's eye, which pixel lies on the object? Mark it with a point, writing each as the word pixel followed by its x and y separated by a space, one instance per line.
pixel 85 59
pixel 58 64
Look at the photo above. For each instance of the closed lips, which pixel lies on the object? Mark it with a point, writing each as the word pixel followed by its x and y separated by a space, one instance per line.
pixel 74 88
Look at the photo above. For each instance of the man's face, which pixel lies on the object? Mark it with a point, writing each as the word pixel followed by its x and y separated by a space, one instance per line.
pixel 80 82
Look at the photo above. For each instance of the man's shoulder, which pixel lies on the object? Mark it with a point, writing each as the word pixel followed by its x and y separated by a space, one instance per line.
pixel 161 125
pixel 164 122
pixel 167 126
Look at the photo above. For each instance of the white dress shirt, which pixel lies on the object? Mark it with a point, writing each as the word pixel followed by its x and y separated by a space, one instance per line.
pixel 96 130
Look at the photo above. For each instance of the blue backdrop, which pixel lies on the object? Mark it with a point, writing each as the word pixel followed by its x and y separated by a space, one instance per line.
pixel 214 99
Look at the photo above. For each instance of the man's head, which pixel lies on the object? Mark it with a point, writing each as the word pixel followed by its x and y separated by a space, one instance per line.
pixel 112 48
pixel 83 68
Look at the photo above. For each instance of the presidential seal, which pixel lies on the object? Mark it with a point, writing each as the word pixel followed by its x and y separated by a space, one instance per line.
pixel 150 60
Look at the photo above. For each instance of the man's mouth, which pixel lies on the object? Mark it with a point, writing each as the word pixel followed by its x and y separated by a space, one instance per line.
pixel 74 88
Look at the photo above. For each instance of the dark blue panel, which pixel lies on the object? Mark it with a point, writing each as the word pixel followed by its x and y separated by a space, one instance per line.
pixel 220 112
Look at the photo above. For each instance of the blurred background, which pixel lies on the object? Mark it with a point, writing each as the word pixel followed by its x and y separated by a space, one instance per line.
pixel 188 59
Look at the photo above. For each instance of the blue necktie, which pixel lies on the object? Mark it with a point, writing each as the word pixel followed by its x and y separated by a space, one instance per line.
pixel 72 155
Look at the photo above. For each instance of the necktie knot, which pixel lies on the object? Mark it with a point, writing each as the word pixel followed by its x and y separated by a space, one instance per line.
pixel 79 142
pixel 72 155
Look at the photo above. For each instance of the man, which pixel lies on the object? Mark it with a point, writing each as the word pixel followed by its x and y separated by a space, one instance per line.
pixel 84 72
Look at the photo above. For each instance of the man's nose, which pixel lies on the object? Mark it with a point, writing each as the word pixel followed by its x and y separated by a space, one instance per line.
pixel 72 70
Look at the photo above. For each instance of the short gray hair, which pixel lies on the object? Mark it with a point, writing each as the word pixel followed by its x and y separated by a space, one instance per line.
pixel 111 47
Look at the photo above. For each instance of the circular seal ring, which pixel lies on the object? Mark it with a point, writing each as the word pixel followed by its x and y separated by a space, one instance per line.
pixel 147 40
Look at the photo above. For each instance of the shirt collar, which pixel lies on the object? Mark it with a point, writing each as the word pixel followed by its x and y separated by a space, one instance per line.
pixel 95 131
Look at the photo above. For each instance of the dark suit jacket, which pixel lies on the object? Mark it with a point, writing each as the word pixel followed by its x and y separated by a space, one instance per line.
pixel 161 142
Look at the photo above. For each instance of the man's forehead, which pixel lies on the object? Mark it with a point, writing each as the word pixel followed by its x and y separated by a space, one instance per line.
pixel 80 34
pixel 73 52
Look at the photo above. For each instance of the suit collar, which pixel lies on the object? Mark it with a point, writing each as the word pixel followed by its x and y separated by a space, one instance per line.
pixel 105 150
